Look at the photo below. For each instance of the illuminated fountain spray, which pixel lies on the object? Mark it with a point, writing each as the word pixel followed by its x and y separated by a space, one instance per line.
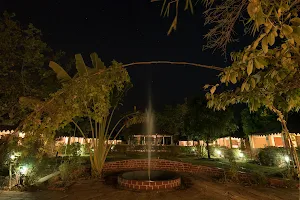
pixel 145 180
pixel 149 128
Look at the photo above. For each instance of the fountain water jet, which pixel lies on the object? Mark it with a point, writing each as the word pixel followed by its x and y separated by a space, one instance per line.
pixel 149 128
pixel 149 179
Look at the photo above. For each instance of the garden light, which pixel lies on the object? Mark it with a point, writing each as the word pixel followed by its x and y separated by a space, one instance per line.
pixel 23 170
pixel 12 157
pixel 286 158
pixel 219 152
pixel 193 149
pixel 241 155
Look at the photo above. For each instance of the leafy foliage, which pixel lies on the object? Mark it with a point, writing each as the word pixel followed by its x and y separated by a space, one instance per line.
pixel 260 121
pixel 204 123
pixel 22 68
pixel 93 93
pixel 171 119
pixel 266 73
pixel 223 15
pixel 71 170
pixel 166 7
pixel 207 125
pixel 86 91
pixel 272 156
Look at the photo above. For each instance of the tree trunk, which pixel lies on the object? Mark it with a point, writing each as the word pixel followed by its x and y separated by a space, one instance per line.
pixel 291 151
pixel 248 146
pixel 208 150
pixel 230 141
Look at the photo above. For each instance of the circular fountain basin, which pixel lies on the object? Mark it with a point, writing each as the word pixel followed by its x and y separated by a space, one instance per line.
pixel 139 180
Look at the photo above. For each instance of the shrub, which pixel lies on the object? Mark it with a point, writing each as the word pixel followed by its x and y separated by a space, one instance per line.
pixel 175 150
pixel 201 151
pixel 272 156
pixel 216 150
pixel 235 155
pixel 119 148
pixel 259 178
pixel 187 150
pixel 71 170
pixel 37 168
pixel 73 149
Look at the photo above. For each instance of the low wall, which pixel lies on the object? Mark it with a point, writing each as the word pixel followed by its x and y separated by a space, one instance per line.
pixel 168 165
pixel 146 185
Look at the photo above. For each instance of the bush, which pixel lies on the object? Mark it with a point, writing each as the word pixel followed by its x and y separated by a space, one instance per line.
pixel 188 150
pixel 201 151
pixel 175 150
pixel 259 178
pixel 73 149
pixel 272 156
pixel 138 147
pixel 215 150
pixel 37 168
pixel 119 148
pixel 71 170
pixel 235 155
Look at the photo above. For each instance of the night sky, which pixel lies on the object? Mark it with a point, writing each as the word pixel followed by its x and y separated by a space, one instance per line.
pixel 128 31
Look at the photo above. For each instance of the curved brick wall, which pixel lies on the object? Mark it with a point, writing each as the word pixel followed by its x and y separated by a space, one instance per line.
pixel 159 164
pixel 146 185
pixel 168 165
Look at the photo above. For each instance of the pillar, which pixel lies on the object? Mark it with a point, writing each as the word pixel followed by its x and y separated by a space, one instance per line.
pixel 163 137
pixel 252 145
pixel 267 140
pixel 172 140
pixel 282 138
pixel 272 140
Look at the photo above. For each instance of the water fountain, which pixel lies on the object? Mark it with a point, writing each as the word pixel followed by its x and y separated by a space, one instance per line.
pixel 149 179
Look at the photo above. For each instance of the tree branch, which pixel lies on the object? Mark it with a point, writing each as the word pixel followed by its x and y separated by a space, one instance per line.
pixel 172 63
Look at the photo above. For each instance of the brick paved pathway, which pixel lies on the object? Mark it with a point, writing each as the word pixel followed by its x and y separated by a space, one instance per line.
pixel 200 188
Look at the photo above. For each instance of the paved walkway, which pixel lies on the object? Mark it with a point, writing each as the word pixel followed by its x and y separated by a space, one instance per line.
pixel 41 195
pixel 199 188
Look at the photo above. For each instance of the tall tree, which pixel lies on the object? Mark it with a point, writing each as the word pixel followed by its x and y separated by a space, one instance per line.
pixel 261 121
pixel 171 119
pixel 205 124
pixel 266 73
pixel 23 55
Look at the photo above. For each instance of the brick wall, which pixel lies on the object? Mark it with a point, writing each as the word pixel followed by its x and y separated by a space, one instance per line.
pixel 168 165
pixel 146 185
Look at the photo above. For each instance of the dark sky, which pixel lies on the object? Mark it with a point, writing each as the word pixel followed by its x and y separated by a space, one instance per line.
pixel 128 31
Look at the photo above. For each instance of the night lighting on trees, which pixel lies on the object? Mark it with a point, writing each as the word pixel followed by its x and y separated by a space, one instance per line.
pixel 12 157
pixel 241 155
pixel 24 170
pixel 286 158
pixel 219 153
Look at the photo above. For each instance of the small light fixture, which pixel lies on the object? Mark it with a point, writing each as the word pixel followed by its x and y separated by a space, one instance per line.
pixel 23 170
pixel 219 152
pixel 12 157
pixel 193 149
pixel 241 155
pixel 286 158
